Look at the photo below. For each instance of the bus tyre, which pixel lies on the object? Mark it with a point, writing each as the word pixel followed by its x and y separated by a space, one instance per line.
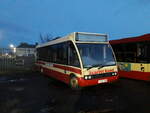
pixel 74 83
pixel 41 70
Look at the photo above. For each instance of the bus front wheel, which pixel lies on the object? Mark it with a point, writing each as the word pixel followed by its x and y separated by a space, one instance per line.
pixel 74 83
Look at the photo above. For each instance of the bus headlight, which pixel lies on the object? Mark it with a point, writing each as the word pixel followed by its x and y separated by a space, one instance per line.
pixel 87 77
pixel 114 73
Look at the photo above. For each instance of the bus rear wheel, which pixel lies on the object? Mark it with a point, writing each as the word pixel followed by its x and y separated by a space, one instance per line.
pixel 74 83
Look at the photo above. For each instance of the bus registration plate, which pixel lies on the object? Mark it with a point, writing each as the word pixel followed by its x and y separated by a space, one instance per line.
pixel 102 81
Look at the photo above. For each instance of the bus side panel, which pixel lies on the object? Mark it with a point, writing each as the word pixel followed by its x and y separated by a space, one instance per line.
pixel 58 71
pixel 135 75
pixel 57 75
pixel 135 71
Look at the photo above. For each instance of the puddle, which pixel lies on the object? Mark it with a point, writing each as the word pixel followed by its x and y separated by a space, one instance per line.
pixel 47 110
pixel 17 89
pixel 7 80
pixel 98 111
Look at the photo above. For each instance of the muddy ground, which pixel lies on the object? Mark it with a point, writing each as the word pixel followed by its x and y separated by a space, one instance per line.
pixel 35 93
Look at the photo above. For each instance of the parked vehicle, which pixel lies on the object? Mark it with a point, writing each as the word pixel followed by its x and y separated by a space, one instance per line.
pixel 79 59
pixel 133 57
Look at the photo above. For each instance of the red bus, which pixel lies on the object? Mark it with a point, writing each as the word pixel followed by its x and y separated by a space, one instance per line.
pixel 79 59
pixel 133 56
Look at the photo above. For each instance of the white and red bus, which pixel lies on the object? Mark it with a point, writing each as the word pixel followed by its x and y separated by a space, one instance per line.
pixel 79 59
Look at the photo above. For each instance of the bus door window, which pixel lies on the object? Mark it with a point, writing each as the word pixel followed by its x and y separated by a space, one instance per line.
pixel 141 52
pixel 104 53
pixel 147 51
pixel 73 59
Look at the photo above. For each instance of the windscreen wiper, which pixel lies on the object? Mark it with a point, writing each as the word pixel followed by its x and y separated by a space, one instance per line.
pixel 96 65
pixel 111 65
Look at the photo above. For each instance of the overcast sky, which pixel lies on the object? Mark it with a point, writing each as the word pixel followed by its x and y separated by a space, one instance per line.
pixel 24 20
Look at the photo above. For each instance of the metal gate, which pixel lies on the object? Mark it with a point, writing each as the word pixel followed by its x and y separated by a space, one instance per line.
pixel 9 62
pixel 6 64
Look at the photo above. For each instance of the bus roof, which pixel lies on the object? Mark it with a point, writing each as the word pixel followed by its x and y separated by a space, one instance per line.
pixel 71 36
pixel 141 38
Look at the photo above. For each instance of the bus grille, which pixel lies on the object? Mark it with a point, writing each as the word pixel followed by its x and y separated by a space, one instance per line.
pixel 87 77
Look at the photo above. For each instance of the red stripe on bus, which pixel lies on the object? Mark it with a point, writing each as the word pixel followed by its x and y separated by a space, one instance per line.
pixel 68 68
pixel 135 75
pixel 142 38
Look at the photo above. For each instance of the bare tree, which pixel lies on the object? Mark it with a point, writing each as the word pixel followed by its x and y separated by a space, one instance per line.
pixel 46 38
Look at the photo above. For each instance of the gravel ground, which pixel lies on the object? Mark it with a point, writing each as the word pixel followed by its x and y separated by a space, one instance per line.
pixel 36 93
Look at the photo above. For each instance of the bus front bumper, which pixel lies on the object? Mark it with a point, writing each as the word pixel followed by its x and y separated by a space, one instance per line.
pixel 91 82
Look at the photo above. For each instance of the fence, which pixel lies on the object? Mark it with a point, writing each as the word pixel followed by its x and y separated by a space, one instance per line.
pixel 10 62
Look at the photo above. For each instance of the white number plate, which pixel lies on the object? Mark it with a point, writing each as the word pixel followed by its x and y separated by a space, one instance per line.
pixel 102 81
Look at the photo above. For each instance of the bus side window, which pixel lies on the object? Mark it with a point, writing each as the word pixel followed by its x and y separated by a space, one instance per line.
pixel 141 52
pixel 62 53
pixel 65 53
pixel 54 54
pixel 73 59
pixel 147 51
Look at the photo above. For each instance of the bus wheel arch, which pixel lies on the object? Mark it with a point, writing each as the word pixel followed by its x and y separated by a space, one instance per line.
pixel 74 83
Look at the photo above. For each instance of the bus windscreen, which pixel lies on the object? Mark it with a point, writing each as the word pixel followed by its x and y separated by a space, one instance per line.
pixel 96 55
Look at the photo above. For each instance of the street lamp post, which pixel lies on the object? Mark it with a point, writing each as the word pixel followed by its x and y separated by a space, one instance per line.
pixel 13 48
